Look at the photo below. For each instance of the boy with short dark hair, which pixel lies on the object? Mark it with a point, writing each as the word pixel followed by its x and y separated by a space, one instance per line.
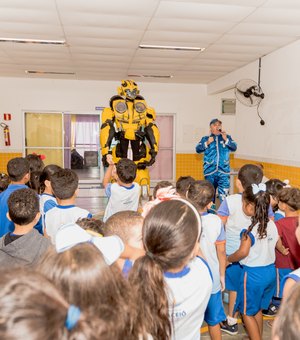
pixel 124 194
pixel 24 245
pixel 4 181
pixel 182 185
pixel 19 175
pixel 64 184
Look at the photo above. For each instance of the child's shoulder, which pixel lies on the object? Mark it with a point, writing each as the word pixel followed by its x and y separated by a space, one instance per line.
pixel 230 205
pixel 287 221
pixel 202 266
pixel 211 218
pixel 272 227
pixel 234 198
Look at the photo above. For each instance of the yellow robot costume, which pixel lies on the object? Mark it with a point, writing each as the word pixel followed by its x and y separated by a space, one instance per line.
pixel 129 119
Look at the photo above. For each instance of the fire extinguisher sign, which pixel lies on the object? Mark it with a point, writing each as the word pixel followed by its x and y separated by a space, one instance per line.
pixel 7 116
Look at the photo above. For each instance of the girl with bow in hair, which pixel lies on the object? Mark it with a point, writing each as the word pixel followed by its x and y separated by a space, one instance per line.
pixel 256 254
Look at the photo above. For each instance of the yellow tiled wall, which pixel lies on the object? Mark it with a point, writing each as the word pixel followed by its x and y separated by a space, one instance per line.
pixel 271 170
pixel 191 165
pixel 5 157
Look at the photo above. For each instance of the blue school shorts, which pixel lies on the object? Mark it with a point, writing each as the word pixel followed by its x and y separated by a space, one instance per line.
pixel 232 276
pixel 214 313
pixel 280 274
pixel 256 289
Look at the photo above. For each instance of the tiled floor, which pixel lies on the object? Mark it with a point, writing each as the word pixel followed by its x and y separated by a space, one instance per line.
pixel 242 335
pixel 95 205
pixel 89 173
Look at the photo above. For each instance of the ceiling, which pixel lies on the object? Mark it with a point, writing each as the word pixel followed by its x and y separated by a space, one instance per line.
pixel 103 36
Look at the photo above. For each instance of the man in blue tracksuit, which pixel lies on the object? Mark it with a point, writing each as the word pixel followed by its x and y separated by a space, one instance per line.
pixel 216 148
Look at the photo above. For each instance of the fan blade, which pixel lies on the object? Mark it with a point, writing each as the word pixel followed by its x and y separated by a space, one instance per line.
pixel 240 91
pixel 260 95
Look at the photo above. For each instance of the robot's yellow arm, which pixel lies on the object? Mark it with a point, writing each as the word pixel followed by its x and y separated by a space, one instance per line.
pixel 152 135
pixel 107 131
pixel 150 116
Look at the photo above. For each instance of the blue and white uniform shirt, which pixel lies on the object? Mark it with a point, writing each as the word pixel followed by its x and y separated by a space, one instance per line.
pixel 294 275
pixel 232 207
pixel 212 233
pixel 262 251
pixel 188 292
pixel 47 202
pixel 121 198
pixel 62 215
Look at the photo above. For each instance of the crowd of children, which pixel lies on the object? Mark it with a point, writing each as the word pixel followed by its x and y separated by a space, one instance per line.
pixel 152 271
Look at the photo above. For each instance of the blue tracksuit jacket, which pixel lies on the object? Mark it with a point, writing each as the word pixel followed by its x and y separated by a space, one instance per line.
pixel 216 154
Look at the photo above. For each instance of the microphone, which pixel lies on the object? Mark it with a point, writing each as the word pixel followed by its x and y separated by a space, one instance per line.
pixel 219 129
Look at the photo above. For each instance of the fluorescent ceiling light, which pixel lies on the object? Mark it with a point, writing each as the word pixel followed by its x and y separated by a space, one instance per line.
pixel 174 48
pixel 49 72
pixel 33 41
pixel 150 76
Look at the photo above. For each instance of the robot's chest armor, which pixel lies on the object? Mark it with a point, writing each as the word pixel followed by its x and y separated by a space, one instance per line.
pixel 130 112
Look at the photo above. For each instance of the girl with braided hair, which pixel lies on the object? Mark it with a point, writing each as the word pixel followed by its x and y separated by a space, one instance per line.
pixel 256 254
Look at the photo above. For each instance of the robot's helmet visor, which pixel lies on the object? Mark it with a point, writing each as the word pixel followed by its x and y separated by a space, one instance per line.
pixel 131 94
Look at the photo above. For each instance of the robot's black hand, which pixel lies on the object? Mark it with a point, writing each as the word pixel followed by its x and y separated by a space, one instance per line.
pixel 104 161
pixel 151 162
pixel 153 155
pixel 142 166
pixel 140 134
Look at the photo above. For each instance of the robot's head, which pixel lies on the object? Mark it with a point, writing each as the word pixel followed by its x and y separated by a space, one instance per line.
pixel 128 89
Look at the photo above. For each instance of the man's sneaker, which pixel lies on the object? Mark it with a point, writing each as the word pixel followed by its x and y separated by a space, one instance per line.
pixel 271 311
pixel 232 330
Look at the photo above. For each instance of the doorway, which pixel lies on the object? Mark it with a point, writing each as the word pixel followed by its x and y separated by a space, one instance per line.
pixel 164 166
pixel 66 139
pixel 72 141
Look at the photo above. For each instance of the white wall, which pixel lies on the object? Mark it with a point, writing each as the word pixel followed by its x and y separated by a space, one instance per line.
pixel 279 140
pixel 194 106
pixel 190 103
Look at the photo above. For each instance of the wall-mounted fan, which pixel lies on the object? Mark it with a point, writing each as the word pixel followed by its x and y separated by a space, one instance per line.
pixel 248 92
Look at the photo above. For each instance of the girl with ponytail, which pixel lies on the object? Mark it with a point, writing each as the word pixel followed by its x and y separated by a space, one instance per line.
pixel 32 308
pixel 171 282
pixel 87 281
pixel 256 254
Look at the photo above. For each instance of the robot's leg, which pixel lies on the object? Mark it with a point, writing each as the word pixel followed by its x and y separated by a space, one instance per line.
pixel 141 156
pixel 139 150
pixel 143 179
pixel 122 148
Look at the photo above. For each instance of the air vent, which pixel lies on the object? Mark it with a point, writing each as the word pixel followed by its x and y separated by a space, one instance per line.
pixel 228 106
